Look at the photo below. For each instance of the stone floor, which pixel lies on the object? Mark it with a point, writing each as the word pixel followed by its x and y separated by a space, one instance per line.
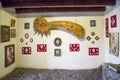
pixel 54 74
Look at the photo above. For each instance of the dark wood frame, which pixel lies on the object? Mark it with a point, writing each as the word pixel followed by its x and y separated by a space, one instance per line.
pixel 93 23
pixel 9 56
pixel 57 52
pixel 13 33
pixel 57 42
pixel 5 33
pixel 26 25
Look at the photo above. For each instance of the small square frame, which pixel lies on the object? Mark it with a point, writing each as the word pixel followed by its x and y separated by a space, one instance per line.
pixel 93 23
pixel 57 52
pixel 12 23
pixel 26 25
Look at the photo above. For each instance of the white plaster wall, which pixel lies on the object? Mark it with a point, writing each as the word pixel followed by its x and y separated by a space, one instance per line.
pixel 5 19
pixel 68 60
pixel 109 57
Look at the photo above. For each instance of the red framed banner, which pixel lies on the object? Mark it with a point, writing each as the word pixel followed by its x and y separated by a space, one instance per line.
pixel 107 27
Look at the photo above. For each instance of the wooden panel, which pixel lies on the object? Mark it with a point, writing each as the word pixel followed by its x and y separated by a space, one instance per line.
pixel 56 3
pixel 37 10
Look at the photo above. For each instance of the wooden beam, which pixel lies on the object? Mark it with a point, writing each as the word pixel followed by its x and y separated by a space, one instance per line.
pixel 56 3
pixel 37 10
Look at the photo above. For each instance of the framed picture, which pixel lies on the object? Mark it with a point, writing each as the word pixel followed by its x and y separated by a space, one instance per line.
pixel 74 47
pixel 93 23
pixel 26 35
pixel 13 33
pixel 41 47
pixel 107 27
pixel 12 23
pixel 9 55
pixel 113 21
pixel 57 42
pixel 26 50
pixel 114 43
pixel 5 33
pixel 26 25
pixel 57 52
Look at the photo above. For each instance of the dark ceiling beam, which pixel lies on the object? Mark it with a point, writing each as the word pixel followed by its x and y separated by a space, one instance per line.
pixel 56 3
pixel 37 10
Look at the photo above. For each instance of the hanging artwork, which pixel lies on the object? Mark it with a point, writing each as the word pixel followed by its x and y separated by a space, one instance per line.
pixel 26 35
pixel 13 33
pixel 113 21
pixel 88 38
pixel 114 43
pixel 5 33
pixel 12 23
pixel 41 26
pixel 26 50
pixel 93 37
pixel 97 38
pixel 21 40
pixel 74 47
pixel 93 51
pixel 93 23
pixel 9 55
pixel 26 25
pixel 41 47
pixel 57 52
pixel 31 39
pixel 57 42
pixel 107 27
pixel 93 33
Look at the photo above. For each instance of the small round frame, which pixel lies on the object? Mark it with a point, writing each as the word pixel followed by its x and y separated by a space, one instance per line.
pixel 31 39
pixel 57 42
pixel 26 35
pixel 21 40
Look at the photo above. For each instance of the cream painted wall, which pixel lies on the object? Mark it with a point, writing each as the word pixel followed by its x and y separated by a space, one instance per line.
pixel 68 60
pixel 109 57
pixel 5 19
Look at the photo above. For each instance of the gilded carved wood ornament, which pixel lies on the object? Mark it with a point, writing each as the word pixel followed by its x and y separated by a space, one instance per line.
pixel 42 27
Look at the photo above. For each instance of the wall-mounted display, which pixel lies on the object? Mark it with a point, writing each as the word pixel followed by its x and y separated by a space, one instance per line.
pixel 26 35
pixel 13 33
pixel 93 33
pixel 93 42
pixel 88 38
pixel 26 39
pixel 57 42
pixel 57 52
pixel 26 50
pixel 74 47
pixel 114 43
pixel 41 47
pixel 31 39
pixel 107 27
pixel 12 23
pixel 93 37
pixel 93 51
pixel 26 25
pixel 93 23
pixel 9 55
pixel 42 27
pixel 21 40
pixel 113 21
pixel 97 38
pixel 26 43
pixel 5 33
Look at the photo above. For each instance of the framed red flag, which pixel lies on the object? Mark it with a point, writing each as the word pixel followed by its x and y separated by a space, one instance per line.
pixel 113 21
